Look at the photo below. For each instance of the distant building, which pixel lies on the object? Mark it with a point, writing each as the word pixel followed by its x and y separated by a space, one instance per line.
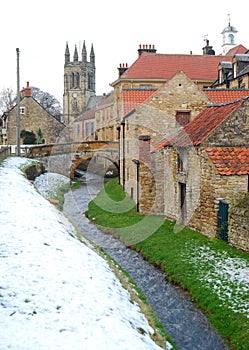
pixel 79 83
pixel 33 119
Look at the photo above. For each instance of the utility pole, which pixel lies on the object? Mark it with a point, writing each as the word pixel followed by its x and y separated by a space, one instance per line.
pixel 18 105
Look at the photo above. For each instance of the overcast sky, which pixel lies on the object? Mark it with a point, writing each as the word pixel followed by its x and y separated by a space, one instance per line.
pixel 40 29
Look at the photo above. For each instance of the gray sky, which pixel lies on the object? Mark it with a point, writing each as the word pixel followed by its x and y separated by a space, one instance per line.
pixel 40 29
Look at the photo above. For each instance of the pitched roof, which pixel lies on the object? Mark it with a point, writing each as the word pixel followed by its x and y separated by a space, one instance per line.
pixel 165 66
pixel 90 114
pixel 239 49
pixel 198 130
pixel 225 95
pixel 230 160
pixel 132 98
pixel 106 100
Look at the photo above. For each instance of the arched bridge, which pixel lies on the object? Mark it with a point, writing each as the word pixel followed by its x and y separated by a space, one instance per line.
pixel 64 158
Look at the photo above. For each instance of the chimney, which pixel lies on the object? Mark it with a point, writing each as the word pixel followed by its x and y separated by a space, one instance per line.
pixel 146 48
pixel 144 148
pixel 27 90
pixel 122 68
pixel 208 50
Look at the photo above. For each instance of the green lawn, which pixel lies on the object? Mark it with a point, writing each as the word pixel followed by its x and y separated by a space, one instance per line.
pixel 216 275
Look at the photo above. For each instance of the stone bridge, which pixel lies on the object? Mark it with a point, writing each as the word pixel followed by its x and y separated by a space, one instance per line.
pixel 64 158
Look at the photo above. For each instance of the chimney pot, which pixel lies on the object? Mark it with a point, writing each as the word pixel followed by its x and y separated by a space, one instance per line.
pixel 27 90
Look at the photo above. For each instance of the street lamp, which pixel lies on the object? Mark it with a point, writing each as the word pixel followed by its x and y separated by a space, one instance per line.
pixel 137 163
pixel 18 104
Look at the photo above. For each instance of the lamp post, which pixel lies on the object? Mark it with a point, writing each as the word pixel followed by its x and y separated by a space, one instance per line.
pixel 137 162
pixel 123 149
pixel 18 104
pixel 118 129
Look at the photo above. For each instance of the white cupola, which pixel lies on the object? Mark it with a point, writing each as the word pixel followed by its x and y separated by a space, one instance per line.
pixel 229 37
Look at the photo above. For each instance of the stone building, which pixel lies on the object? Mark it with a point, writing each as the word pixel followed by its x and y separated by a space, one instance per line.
pixel 201 169
pixel 169 108
pixel 79 83
pixel 105 120
pixel 234 74
pixel 33 118
pixel 83 127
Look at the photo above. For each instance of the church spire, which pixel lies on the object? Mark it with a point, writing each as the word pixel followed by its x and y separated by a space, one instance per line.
pixel 92 55
pixel 83 52
pixel 67 54
pixel 75 56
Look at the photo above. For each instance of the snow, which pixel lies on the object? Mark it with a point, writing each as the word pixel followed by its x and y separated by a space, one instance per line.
pixel 55 291
pixel 226 276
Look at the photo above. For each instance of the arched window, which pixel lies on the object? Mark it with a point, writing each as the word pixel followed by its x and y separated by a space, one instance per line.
pixel 90 84
pixel 231 38
pixel 77 80
pixel 72 81
pixel 66 79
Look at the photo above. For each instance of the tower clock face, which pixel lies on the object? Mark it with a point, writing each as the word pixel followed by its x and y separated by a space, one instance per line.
pixel 74 95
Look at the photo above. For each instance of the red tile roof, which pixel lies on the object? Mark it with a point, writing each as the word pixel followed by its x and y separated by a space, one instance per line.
pixel 132 98
pixel 165 66
pixel 239 49
pixel 198 130
pixel 225 95
pixel 230 160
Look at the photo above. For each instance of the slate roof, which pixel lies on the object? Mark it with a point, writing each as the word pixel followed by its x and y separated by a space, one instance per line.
pixel 225 95
pixel 229 160
pixel 165 66
pixel 200 128
pixel 133 98
pixel 106 100
pixel 87 115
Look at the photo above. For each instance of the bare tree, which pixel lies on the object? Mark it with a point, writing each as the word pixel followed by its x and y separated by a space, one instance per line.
pixel 47 101
pixel 7 100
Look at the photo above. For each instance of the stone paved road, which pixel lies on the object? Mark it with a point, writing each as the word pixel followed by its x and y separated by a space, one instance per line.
pixel 188 327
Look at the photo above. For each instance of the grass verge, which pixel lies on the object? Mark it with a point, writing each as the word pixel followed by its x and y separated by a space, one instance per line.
pixel 215 274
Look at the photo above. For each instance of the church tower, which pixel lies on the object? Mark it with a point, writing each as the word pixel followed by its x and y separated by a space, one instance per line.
pixel 229 37
pixel 79 82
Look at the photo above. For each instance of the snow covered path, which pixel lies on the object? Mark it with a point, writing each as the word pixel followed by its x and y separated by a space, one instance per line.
pixel 55 292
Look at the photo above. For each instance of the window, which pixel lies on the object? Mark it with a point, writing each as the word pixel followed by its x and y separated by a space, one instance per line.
pixel 77 80
pixel 92 128
pixel 72 81
pixel 231 38
pixel 234 70
pixel 145 87
pixel 78 130
pixel 87 129
pixel 182 117
pixel 182 160
pixel 90 82
pixel 220 76
pixel 22 110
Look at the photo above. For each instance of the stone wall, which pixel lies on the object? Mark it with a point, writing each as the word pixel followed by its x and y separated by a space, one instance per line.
pixel 234 131
pixel 238 226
